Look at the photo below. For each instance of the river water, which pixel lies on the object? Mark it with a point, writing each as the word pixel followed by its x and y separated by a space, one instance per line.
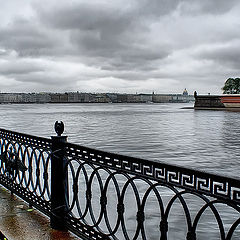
pixel 202 140
pixel 205 140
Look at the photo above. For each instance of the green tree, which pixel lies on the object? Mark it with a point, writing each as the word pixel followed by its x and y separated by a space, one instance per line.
pixel 232 86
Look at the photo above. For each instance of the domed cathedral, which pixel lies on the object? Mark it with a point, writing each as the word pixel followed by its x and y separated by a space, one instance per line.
pixel 185 92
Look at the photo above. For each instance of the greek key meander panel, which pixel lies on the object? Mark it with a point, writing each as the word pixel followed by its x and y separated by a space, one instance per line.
pixel 210 184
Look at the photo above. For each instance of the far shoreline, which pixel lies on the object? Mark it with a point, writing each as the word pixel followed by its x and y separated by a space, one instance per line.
pixel 4 103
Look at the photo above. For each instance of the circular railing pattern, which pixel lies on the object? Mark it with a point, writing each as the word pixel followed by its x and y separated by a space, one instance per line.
pixel 25 168
pixel 121 205
pixel 92 188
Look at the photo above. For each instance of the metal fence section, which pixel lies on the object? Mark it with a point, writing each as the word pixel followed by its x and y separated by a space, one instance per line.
pixel 101 195
pixel 110 192
pixel 25 167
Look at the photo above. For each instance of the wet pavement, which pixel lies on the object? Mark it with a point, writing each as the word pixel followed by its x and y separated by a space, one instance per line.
pixel 18 222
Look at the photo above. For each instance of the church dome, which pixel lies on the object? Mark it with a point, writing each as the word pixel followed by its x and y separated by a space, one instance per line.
pixel 185 92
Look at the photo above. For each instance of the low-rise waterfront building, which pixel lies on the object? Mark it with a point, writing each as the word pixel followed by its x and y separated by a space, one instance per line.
pixel 112 97
pixel 122 98
pixel 133 98
pixel 10 98
pixel 100 98
pixel 43 98
pixel 145 98
pixel 182 98
pixel 59 97
pixel 24 97
pixel 76 97
pixel 161 98
pixel 28 98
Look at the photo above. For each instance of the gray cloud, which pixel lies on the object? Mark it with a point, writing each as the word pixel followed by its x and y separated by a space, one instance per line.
pixel 22 67
pixel 25 38
pixel 217 7
pixel 111 28
pixel 226 54
pixel 90 45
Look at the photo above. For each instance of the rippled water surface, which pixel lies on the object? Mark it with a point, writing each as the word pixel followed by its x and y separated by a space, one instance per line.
pixel 206 140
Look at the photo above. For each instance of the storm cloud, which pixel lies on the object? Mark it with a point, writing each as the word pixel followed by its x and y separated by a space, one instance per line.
pixel 118 46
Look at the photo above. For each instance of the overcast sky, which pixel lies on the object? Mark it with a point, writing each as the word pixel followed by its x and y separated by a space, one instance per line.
pixel 119 45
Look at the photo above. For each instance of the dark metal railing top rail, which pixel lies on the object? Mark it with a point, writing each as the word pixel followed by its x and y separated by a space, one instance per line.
pixel 102 195
pixel 26 139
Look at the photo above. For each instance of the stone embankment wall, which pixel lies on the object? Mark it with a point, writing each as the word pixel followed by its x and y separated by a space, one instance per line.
pixel 208 101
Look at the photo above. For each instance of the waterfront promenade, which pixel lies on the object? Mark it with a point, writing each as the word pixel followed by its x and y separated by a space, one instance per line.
pixel 19 222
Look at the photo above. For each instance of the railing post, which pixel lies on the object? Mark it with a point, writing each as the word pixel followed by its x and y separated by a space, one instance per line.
pixel 163 229
pixel 58 181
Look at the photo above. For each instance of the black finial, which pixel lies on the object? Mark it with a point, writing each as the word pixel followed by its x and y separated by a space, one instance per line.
pixel 59 128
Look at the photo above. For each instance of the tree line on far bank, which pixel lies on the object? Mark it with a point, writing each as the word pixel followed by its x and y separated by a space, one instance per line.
pixel 232 86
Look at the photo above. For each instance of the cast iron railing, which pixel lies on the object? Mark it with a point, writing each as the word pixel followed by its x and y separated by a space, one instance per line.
pixel 101 195
pixel 25 167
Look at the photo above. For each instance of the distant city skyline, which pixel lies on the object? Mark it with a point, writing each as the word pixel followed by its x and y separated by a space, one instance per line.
pixel 121 46
pixel 77 97
pixel 94 92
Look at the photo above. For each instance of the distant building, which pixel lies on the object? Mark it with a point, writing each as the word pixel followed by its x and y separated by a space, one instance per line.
pixel 10 98
pixel 59 97
pixel 72 97
pixel 112 97
pixel 78 97
pixel 182 98
pixel 133 98
pixel 161 98
pixel 122 98
pixel 101 98
pixel 145 98
pixel 28 98
pixel 43 98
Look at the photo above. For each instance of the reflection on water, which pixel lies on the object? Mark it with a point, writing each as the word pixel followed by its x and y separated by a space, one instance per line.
pixel 206 140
